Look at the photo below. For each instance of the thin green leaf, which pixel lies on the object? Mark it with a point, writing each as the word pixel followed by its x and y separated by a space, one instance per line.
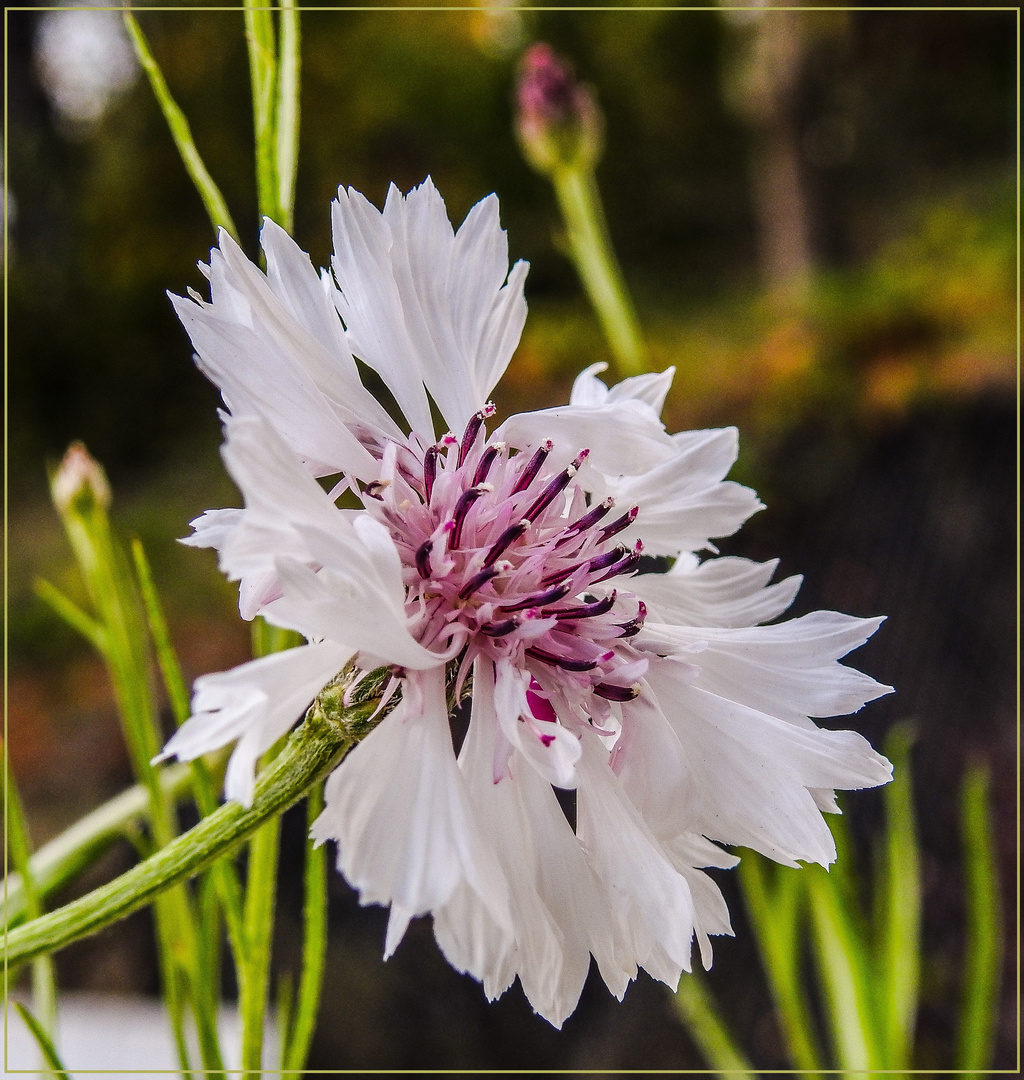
pixel 259 36
pixel 314 945
pixel 287 121
pixel 774 909
pixel 899 924
pixel 72 614
pixel 46 1046
pixel 984 952
pixel 181 132
pixel 19 846
pixel 844 971
pixel 707 1029
pixel 254 973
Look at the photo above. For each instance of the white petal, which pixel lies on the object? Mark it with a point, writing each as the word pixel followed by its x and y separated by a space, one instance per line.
pixel 256 702
pixel 338 573
pixel 651 897
pixel 789 669
pixel 270 347
pixel 424 305
pixel 550 748
pixel 212 527
pixel 651 389
pixel 717 592
pixel 752 772
pixel 685 502
pixel 621 437
pixel 398 807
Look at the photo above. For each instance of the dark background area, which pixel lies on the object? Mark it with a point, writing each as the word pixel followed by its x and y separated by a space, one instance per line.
pixel 878 416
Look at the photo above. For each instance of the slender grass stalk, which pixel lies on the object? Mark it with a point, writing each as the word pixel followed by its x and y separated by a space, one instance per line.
pixel 254 970
pixel 286 132
pixel 698 1010
pixel 296 1040
pixel 844 973
pixel 982 965
pixel 81 495
pixel 72 614
pixel 591 248
pixel 181 132
pixel 260 39
pixel 775 907
pixel 225 875
pixel 62 859
pixel 899 918
pixel 45 1043
pixel 19 845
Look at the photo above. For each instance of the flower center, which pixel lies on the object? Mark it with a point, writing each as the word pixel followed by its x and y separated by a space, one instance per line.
pixel 507 557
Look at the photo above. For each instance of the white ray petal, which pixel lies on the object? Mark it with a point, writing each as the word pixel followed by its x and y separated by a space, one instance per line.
pixel 716 592
pixel 257 703
pixel 790 669
pixel 398 808
pixel 425 306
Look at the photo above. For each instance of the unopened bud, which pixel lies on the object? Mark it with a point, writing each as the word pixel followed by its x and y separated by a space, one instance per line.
pixel 558 121
pixel 79 475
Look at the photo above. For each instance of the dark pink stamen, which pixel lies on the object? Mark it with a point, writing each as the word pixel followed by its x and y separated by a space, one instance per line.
pixel 477 581
pixel 583 611
pixel 509 536
pixel 538 600
pixel 486 461
pixel 466 500
pixel 560 661
pixel 611 692
pixel 423 558
pixel 618 525
pixel 430 470
pixel 527 476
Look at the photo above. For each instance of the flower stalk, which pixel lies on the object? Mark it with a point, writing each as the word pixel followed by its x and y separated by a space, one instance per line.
pixel 310 753
pixel 560 130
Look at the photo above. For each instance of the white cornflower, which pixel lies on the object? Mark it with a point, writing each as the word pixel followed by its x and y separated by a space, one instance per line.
pixel 676 718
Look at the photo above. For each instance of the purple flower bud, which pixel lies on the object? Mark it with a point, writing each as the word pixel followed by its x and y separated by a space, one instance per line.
pixel 558 121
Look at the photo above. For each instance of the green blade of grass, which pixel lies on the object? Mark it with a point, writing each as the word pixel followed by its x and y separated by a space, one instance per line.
pixel 259 37
pixel 775 916
pixel 844 972
pixel 181 132
pixel 707 1029
pixel 984 955
pixel 46 1047
pixel 898 925
pixel 19 846
pixel 72 614
pixel 314 946
pixel 286 132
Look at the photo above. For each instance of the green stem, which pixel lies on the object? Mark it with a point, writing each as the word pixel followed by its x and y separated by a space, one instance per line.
pixel 254 971
pixel 984 955
pixel 311 752
pixel 774 914
pixel 44 985
pixel 314 945
pixel 213 200
pixel 259 36
pixel 899 924
pixel 286 132
pixel 706 1027
pixel 844 973
pixel 63 858
pixel 592 252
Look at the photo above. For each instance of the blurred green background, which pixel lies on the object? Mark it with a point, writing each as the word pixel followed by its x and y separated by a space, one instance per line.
pixel 858 324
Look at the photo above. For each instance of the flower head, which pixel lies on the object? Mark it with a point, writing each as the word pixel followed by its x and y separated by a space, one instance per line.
pixel 509 552
pixel 557 118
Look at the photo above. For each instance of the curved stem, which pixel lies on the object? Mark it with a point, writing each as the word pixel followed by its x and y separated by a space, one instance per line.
pixel 310 753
